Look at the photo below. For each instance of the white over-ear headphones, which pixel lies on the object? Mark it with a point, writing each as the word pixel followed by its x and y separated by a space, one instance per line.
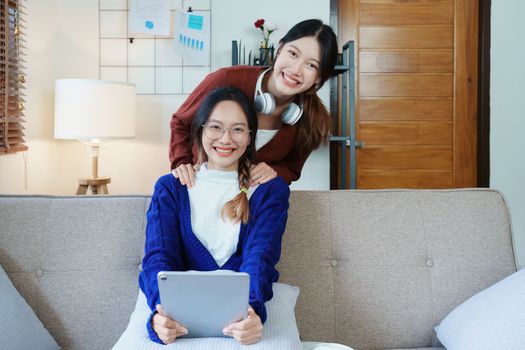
pixel 265 104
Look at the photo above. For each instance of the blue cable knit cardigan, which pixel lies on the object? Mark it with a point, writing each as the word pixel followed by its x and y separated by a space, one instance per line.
pixel 171 244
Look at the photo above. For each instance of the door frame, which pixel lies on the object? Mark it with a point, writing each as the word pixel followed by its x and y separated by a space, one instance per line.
pixel 484 94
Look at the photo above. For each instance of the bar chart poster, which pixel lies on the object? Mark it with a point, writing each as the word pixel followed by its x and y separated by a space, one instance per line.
pixel 192 36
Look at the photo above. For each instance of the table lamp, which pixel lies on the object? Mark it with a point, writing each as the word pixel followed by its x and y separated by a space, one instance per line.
pixel 94 111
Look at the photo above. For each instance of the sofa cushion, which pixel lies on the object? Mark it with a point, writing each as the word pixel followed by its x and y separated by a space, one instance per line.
pixel 492 319
pixel 280 329
pixel 20 328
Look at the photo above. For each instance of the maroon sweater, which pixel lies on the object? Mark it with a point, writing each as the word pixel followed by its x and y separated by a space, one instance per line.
pixel 280 153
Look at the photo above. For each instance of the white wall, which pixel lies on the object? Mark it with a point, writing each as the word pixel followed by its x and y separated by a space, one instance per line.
pixel 56 47
pixel 62 42
pixel 507 114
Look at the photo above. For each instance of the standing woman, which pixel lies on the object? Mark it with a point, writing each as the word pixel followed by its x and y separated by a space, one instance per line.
pixel 220 223
pixel 292 119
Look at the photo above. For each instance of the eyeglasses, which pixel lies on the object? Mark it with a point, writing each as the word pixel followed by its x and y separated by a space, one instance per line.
pixel 215 131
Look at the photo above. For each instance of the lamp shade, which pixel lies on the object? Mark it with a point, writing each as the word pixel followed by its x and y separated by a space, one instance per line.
pixel 94 109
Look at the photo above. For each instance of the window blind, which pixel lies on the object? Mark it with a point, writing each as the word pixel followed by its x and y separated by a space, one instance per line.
pixel 12 77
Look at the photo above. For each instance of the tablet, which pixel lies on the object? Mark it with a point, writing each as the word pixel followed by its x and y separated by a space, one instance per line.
pixel 204 301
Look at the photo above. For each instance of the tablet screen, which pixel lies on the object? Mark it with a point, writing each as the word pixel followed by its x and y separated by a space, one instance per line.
pixel 204 301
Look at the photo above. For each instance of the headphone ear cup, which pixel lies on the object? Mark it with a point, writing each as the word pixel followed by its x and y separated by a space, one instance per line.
pixel 259 104
pixel 265 103
pixel 291 114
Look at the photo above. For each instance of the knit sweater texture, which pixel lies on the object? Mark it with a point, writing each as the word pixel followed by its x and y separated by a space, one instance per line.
pixel 280 153
pixel 171 244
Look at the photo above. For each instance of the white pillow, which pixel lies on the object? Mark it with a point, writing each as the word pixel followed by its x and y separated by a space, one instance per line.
pixel 492 319
pixel 280 328
pixel 310 345
pixel 20 328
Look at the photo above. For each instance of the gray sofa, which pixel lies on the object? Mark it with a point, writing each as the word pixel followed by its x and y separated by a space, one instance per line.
pixel 376 269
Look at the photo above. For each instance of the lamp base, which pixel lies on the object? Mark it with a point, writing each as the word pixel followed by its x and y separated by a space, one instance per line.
pixel 98 185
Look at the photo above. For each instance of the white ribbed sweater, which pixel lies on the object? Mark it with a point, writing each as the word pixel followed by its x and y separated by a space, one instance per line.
pixel 214 188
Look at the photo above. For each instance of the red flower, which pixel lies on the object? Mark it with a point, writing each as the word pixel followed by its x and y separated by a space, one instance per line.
pixel 259 23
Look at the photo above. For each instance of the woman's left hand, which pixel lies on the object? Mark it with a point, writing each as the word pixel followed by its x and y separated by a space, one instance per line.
pixel 247 331
pixel 261 173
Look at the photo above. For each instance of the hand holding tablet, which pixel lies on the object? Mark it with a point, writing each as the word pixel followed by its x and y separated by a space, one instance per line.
pixel 167 329
pixel 247 331
pixel 205 304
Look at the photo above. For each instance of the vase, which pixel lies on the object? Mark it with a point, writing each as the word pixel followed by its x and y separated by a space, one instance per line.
pixel 266 56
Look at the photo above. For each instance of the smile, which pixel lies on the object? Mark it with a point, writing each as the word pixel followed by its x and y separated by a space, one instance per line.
pixel 223 152
pixel 290 81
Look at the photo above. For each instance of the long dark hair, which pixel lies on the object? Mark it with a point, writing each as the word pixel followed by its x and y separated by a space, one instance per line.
pixel 238 208
pixel 314 125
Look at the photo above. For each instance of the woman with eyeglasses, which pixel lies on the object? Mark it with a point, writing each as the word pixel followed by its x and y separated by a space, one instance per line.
pixel 219 223
pixel 292 119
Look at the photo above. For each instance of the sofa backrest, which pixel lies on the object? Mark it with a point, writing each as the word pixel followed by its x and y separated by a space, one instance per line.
pixel 376 268
pixel 75 260
pixel 380 269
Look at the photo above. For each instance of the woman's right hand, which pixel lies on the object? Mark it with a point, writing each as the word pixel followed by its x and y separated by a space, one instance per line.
pixel 247 331
pixel 186 174
pixel 167 329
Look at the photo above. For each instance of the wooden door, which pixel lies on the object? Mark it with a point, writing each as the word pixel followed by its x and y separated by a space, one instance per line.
pixel 416 93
